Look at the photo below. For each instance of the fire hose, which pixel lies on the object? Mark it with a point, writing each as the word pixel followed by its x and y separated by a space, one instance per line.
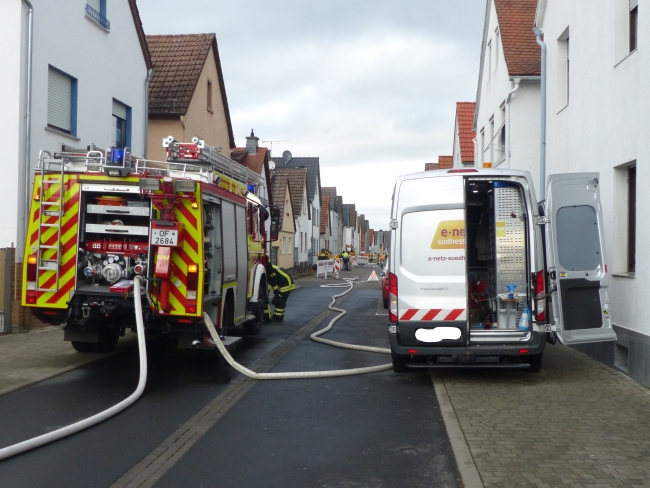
pixel 307 374
pixel 55 435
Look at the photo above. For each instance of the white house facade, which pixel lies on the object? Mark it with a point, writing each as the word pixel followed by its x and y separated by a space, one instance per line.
pixel 80 81
pixel 507 114
pixel 596 108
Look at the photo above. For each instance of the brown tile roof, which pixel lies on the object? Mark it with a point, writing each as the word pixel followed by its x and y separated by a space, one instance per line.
pixel 465 117
pixel 445 162
pixel 516 21
pixel 280 182
pixel 177 64
pixel 430 166
pixel 324 214
pixel 330 191
pixel 297 183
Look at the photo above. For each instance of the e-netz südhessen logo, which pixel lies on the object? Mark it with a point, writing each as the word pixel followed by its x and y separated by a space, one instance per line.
pixel 449 235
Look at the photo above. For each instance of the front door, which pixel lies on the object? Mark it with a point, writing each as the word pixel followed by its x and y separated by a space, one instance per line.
pixel 576 259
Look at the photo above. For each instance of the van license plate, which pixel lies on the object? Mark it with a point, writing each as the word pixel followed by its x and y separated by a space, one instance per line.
pixel 164 237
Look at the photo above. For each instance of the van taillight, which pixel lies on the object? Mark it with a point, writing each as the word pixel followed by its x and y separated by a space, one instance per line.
pixel 392 297
pixel 31 268
pixel 540 291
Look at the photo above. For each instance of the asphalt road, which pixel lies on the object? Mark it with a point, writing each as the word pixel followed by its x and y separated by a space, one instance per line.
pixel 378 430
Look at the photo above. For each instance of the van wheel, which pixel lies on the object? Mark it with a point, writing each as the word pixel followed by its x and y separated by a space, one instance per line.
pixel 399 362
pixel 82 346
pixel 107 340
pixel 385 302
pixel 535 362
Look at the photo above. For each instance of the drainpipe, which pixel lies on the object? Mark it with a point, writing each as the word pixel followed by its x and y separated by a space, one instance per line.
pixel 475 152
pixel 542 139
pixel 24 164
pixel 507 126
pixel 147 80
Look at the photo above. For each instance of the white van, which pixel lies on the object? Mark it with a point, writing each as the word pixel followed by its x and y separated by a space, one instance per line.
pixel 481 275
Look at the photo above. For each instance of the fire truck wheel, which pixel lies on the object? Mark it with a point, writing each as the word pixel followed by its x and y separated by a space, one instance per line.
pixel 83 346
pixel 107 340
pixel 399 362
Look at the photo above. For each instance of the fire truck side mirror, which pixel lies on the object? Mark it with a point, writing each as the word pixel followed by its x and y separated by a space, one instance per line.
pixel 275 223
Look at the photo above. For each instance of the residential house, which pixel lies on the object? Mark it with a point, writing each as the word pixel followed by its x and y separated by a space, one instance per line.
pixel 325 235
pixel 371 240
pixel 348 233
pixel 597 103
pixel 80 83
pixel 445 162
pixel 282 250
pixel 312 166
pixel 507 113
pixel 187 96
pixel 463 154
pixel 334 217
pixel 297 178
pixel 339 211
pixel 256 158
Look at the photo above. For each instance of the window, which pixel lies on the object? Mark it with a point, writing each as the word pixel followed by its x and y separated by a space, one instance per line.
pixel 210 96
pixel 96 11
pixel 284 245
pixel 563 69
pixel 489 59
pixel 121 132
pixel 631 219
pixel 491 144
pixel 497 37
pixel 634 23
pixel 61 101
pixel 290 246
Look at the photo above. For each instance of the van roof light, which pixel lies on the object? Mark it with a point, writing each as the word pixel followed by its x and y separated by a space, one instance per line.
pixel 462 171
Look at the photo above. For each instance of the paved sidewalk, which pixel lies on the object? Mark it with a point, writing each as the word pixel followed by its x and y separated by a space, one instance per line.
pixel 30 357
pixel 577 423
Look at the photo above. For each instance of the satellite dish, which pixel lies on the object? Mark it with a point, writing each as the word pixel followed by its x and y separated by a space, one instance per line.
pixel 286 155
pixel 271 165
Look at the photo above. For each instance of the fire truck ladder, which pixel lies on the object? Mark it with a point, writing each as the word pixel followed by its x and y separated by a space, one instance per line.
pixel 199 152
pixel 50 208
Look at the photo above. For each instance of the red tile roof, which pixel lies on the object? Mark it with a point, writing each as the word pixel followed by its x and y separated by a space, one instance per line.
pixel 445 162
pixel 324 214
pixel 297 183
pixel 465 119
pixel 516 21
pixel 430 166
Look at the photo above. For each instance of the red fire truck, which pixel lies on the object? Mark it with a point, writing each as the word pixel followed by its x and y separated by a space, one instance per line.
pixel 193 226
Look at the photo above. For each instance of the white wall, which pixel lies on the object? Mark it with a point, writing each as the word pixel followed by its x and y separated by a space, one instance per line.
pixel 315 229
pixel 107 65
pixel 524 111
pixel 303 224
pixel 603 128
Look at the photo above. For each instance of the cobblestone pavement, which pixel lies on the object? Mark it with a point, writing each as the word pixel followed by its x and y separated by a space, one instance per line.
pixel 577 423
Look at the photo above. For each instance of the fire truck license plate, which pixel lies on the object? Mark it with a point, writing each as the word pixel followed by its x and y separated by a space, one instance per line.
pixel 164 237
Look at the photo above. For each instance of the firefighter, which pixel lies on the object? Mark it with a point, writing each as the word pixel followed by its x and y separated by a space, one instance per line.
pixel 282 285
pixel 346 260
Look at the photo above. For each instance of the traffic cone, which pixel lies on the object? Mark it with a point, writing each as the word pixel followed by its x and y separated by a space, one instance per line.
pixel 373 277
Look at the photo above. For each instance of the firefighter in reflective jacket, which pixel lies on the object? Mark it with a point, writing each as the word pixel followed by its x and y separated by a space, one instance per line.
pixel 282 285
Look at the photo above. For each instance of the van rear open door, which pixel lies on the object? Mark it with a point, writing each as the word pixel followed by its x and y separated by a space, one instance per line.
pixel 575 254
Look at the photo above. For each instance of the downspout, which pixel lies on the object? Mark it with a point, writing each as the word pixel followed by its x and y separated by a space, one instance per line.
pixel 542 139
pixel 147 80
pixel 507 126
pixel 25 162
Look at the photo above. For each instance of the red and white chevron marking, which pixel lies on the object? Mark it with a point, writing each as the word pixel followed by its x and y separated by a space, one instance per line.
pixel 434 314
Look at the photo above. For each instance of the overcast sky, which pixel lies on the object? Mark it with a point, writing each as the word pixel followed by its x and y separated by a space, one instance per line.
pixel 369 86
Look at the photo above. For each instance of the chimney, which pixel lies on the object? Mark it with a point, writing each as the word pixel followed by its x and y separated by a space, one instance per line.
pixel 251 143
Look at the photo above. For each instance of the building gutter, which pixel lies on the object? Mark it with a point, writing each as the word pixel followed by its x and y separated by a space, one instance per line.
pixel 542 138
pixel 508 131
pixel 24 163
pixel 145 139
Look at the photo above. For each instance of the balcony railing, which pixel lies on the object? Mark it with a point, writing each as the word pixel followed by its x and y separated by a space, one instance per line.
pixel 97 17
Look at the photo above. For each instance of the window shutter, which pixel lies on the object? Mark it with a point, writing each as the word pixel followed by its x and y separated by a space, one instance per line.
pixel 59 99
pixel 119 110
pixel 633 4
